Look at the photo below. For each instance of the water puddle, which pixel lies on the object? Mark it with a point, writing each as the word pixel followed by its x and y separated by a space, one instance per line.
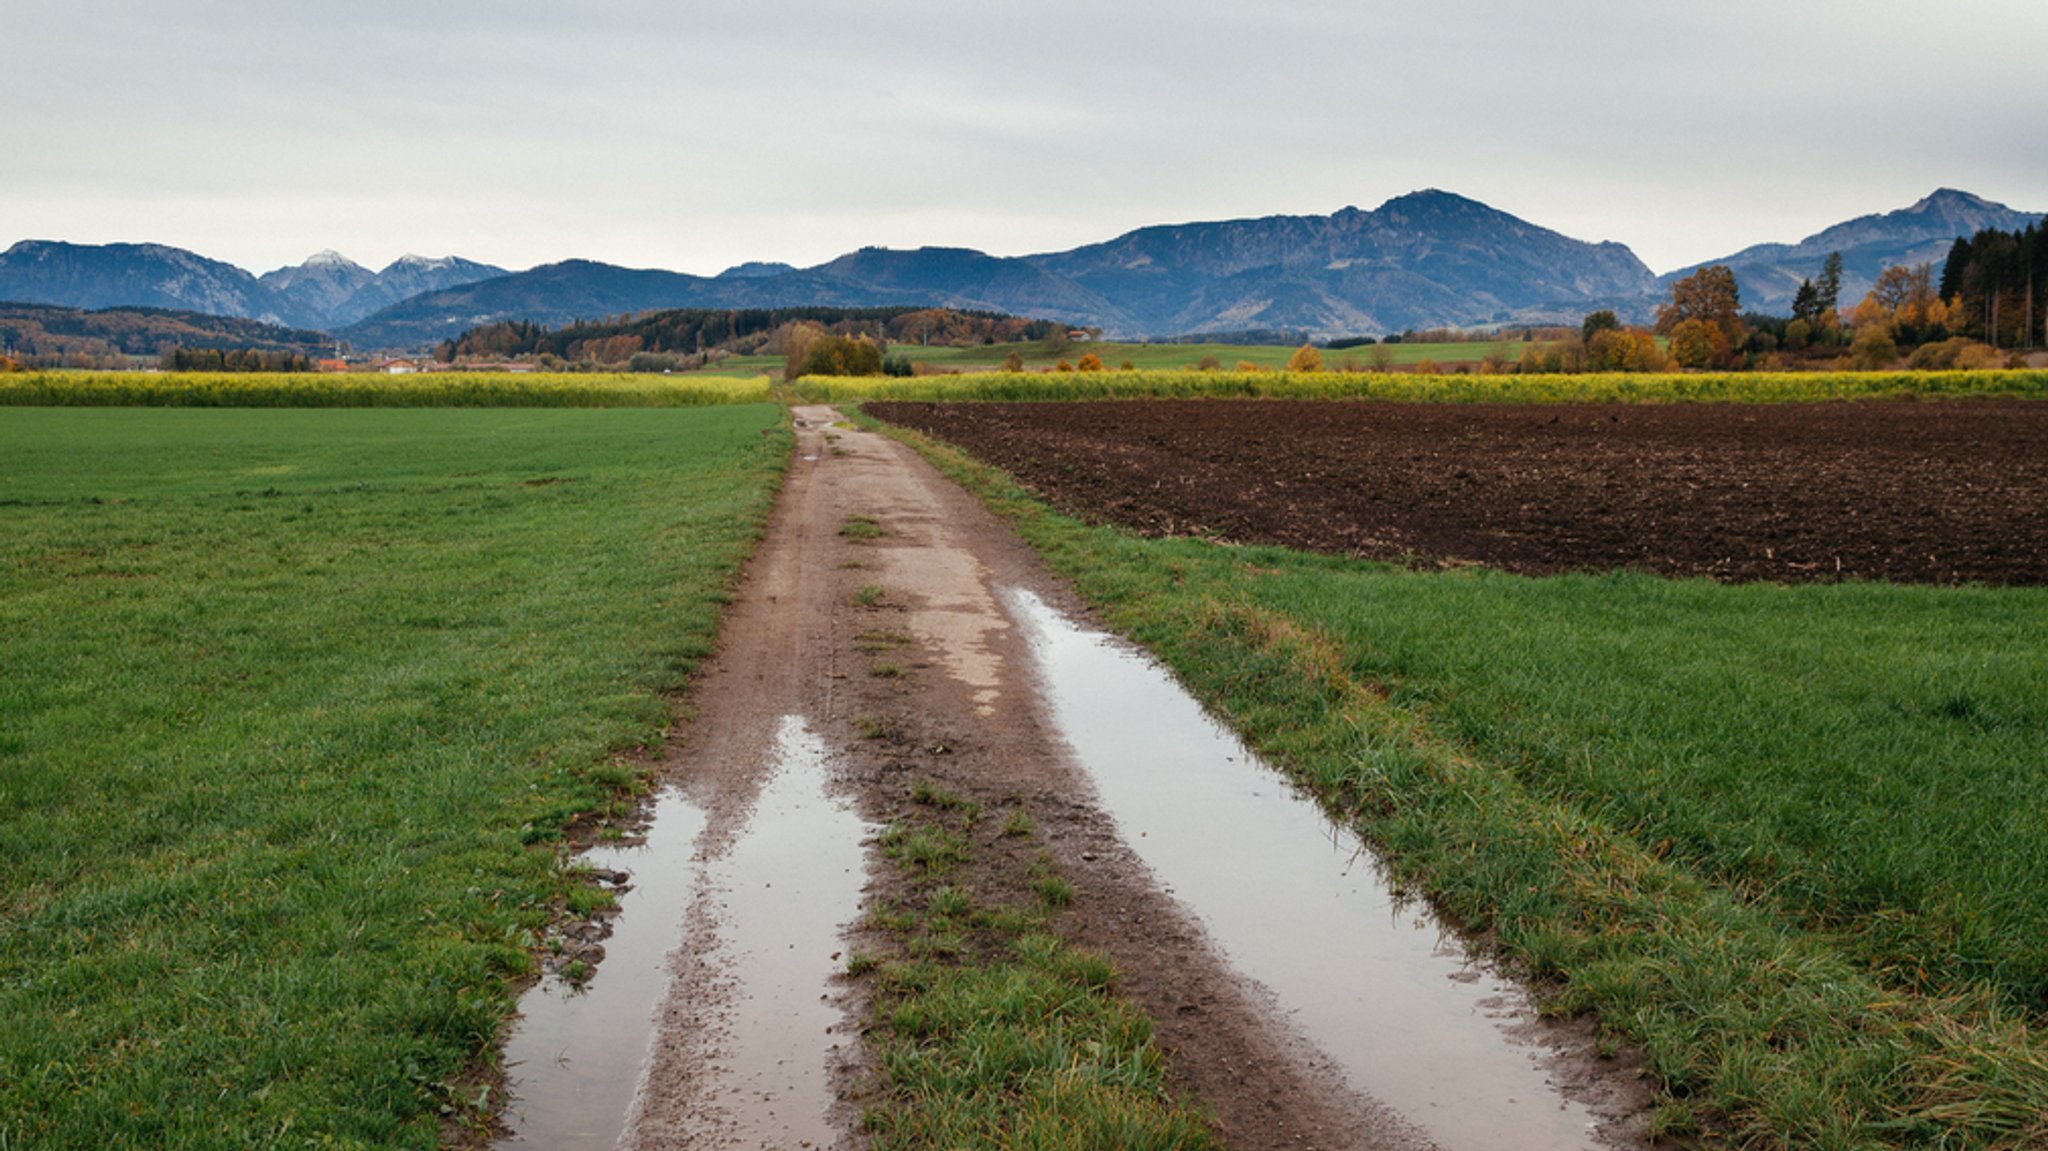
pixel 575 1055
pixel 763 918
pixel 1297 904
pixel 783 894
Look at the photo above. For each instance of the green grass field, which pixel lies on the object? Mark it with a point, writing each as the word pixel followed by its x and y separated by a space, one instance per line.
pixel 294 703
pixel 1787 840
pixel 375 390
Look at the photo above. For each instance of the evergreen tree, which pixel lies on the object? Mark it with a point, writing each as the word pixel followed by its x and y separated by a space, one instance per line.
pixel 1830 285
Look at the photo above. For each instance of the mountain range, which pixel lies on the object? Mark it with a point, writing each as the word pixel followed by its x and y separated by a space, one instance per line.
pixel 1426 259
pixel 327 292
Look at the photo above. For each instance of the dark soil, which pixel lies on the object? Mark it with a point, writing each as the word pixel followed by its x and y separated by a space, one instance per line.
pixel 1927 492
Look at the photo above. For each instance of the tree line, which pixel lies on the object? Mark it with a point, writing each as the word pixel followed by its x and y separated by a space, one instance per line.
pixel 1991 282
pixel 232 360
pixel 687 337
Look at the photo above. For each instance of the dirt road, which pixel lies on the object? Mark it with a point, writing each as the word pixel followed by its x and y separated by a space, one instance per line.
pixel 792 696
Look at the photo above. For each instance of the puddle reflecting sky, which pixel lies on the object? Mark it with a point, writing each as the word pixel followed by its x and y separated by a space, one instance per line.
pixel 784 894
pixel 575 1056
pixel 779 897
pixel 1297 904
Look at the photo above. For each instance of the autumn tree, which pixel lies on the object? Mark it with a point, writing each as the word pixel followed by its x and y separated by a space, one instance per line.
pixel 1624 350
pixel 1597 322
pixel 1873 349
pixel 1089 363
pixel 1700 343
pixel 813 351
pixel 1305 359
pixel 1708 296
pixel 1904 303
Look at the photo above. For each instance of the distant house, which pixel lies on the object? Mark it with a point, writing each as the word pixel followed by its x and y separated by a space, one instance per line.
pixel 398 367
pixel 1079 334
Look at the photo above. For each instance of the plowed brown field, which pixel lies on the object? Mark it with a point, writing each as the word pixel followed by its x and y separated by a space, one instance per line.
pixel 1940 492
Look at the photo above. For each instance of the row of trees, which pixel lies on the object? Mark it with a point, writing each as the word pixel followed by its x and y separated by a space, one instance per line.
pixel 1989 282
pixel 232 360
pixel 693 334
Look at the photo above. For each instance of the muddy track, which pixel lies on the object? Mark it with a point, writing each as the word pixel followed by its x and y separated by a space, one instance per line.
pixel 960 704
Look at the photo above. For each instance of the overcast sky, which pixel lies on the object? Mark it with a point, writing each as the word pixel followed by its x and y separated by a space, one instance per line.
pixel 692 135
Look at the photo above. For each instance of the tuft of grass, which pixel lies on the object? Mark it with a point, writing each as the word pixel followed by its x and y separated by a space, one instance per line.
pixel 868 595
pixel 879 727
pixel 860 529
pixel 285 775
pixel 989 1031
pixel 886 671
pixel 876 642
pixel 927 849
pixel 1050 887
pixel 1017 824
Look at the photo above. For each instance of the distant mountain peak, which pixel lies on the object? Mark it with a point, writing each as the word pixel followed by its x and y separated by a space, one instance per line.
pixel 756 270
pixel 1770 274
pixel 328 257
pixel 1955 197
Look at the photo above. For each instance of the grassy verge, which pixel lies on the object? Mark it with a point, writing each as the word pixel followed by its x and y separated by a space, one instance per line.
pixel 295 703
pixel 990 1031
pixel 371 390
pixel 1744 387
pixel 1782 839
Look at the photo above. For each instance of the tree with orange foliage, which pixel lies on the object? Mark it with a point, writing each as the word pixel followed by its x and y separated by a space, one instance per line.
pixel 1710 296
pixel 1698 343
pixel 1089 363
pixel 1904 303
pixel 1305 359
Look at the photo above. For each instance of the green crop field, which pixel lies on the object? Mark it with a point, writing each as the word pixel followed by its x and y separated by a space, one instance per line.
pixel 1787 840
pixel 294 703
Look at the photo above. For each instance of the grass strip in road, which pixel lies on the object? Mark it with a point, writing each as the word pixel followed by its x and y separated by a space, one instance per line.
pixel 296 705
pixel 990 1031
pixel 1781 839
pixel 375 390
pixel 1613 387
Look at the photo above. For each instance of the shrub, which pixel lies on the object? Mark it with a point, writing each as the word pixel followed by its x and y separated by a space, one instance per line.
pixel 825 354
pixel 1700 344
pixel 1872 350
pixel 1305 359
pixel 1089 363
